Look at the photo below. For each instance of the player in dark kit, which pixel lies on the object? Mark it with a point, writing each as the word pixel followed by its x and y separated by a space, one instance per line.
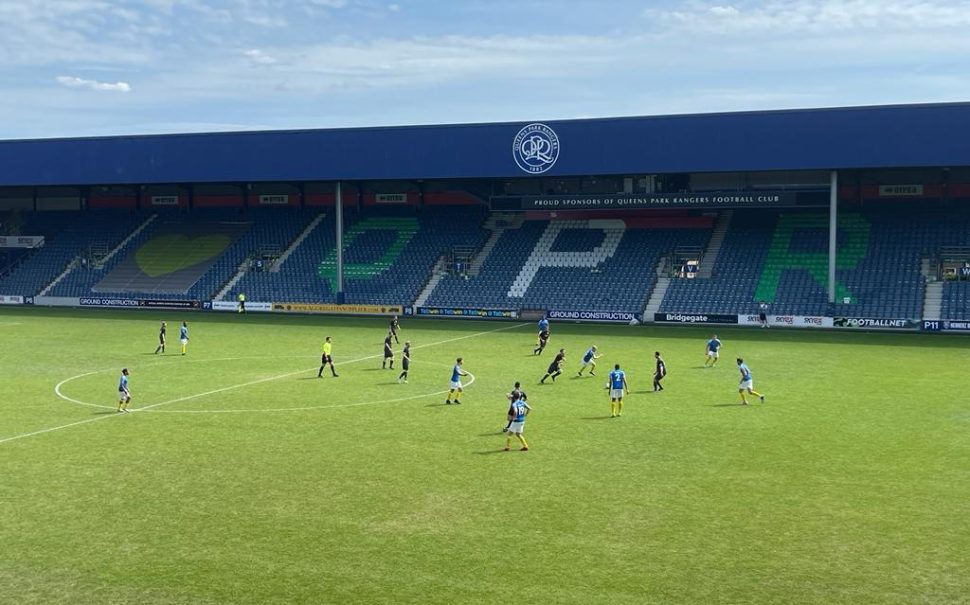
pixel 659 373
pixel 394 327
pixel 516 394
pixel 161 339
pixel 543 341
pixel 405 362
pixel 555 368
pixel 388 352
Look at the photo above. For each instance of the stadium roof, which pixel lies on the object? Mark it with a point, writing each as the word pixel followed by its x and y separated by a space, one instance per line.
pixel 806 139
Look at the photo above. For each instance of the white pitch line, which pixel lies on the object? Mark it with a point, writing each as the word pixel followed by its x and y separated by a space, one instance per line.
pixel 57 390
pixel 105 417
pixel 57 428
pixel 310 407
pixel 297 372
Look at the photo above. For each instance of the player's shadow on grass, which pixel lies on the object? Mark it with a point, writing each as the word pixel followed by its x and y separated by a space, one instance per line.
pixel 729 405
pixel 488 452
pixel 597 417
pixel 103 412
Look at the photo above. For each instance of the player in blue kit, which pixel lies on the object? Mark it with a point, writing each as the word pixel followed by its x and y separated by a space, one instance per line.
pixel 747 383
pixel 618 387
pixel 124 395
pixel 589 359
pixel 543 338
pixel 713 351
pixel 543 325
pixel 456 388
pixel 518 411
pixel 184 336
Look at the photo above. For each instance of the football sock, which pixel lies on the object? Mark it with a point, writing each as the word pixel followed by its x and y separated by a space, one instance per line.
pixel 619 407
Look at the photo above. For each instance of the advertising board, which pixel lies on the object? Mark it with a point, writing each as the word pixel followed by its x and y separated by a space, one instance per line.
pixel 228 305
pixel 695 318
pixel 606 316
pixel 466 312
pixel 136 303
pixel 788 321
pixel 875 323
pixel 349 309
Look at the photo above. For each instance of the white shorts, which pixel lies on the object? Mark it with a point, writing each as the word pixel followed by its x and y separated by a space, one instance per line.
pixel 122 396
pixel 185 341
pixel 746 385
pixel 517 427
pixel 616 393
pixel 713 354
pixel 456 384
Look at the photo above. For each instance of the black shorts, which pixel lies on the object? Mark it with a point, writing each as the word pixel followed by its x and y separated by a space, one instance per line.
pixel 405 364
pixel 388 353
pixel 553 369
pixel 762 316
pixel 325 359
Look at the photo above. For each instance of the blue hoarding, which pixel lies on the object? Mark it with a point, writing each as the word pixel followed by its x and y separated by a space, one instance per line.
pixel 867 137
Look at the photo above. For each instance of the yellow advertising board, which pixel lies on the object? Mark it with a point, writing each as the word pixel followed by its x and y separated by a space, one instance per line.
pixel 350 309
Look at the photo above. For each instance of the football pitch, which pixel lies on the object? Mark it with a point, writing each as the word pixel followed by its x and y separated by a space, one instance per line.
pixel 240 477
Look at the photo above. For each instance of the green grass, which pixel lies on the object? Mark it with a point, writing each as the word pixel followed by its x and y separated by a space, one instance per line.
pixel 850 485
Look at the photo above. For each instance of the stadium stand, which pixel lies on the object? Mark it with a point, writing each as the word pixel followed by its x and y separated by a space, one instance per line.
pixel 244 234
pixel 68 235
pixel 781 258
pixel 594 264
pixel 956 300
pixel 535 266
pixel 388 256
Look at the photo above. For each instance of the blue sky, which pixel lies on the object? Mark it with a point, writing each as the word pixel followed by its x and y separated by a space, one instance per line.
pixel 97 67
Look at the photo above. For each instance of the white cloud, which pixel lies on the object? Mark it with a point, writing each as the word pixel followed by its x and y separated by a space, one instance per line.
pixel 815 16
pixel 257 56
pixel 75 82
pixel 723 11
pixel 394 8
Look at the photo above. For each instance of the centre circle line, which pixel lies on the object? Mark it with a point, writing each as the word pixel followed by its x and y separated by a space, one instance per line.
pixel 152 407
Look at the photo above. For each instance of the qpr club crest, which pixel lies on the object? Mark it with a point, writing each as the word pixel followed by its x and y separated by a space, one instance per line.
pixel 536 148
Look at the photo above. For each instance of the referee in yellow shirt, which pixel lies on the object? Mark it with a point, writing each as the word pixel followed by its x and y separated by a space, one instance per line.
pixel 326 359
